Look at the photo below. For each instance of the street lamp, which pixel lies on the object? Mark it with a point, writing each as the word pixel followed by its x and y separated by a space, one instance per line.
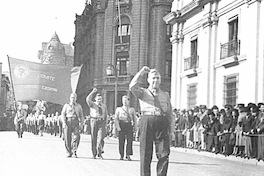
pixel 112 70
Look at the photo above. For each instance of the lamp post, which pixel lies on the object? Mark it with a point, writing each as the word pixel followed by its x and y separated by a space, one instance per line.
pixel 110 71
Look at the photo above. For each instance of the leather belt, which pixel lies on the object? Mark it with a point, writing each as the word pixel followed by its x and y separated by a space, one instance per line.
pixel 153 113
pixel 97 118
pixel 71 118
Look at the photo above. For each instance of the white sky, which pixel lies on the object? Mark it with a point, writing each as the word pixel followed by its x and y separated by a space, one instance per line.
pixel 25 24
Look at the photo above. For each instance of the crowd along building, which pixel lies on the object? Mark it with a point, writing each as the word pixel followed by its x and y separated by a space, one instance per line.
pixel 217 52
pixel 124 34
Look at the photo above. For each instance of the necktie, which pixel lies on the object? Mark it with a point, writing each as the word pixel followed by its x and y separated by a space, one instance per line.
pixel 100 109
pixel 156 99
pixel 128 115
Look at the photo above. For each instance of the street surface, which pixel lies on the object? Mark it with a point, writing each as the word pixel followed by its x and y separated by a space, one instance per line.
pixel 38 156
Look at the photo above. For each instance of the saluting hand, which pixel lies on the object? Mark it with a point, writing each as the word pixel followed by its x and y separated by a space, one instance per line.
pixel 145 69
pixel 94 90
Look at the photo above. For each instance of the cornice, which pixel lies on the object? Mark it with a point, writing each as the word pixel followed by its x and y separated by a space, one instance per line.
pixel 186 12
pixel 249 2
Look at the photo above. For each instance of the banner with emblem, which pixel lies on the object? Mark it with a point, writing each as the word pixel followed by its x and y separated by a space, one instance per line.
pixel 35 81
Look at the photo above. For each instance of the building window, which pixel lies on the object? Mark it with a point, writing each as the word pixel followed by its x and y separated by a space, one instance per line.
pixel 230 89
pixel 191 95
pixel 192 62
pixel 122 62
pixel 123 32
pixel 233 28
pixel 232 47
pixel 168 65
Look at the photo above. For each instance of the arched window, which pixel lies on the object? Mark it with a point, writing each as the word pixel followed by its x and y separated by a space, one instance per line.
pixel 123 32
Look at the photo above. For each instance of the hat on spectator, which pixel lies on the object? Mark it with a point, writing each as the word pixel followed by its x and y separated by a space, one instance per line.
pixel 227 106
pixel 251 105
pixel 202 107
pixel 214 107
pixel 260 104
pixel 240 105
pixel 222 111
pixel 244 109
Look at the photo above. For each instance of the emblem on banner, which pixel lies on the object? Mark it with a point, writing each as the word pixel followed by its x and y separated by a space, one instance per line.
pixel 21 71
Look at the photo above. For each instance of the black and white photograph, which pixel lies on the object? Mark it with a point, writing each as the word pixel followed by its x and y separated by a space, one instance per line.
pixel 132 87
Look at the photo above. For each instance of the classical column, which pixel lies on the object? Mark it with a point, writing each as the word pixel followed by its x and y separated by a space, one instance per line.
pixel 175 60
pixel 180 63
pixel 214 23
pixel 207 29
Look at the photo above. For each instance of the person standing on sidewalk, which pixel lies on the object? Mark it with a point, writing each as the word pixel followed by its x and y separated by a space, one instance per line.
pixel 98 117
pixel 157 124
pixel 19 120
pixel 72 115
pixel 125 118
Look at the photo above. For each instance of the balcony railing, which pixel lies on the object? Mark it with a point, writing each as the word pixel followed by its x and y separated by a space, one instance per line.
pixel 231 48
pixel 191 62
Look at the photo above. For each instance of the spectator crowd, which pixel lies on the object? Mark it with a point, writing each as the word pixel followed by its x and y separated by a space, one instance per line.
pixel 231 130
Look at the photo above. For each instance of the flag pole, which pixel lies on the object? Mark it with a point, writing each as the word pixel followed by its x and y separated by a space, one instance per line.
pixel 11 79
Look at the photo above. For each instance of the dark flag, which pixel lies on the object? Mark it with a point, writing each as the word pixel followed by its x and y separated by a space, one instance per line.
pixel 35 81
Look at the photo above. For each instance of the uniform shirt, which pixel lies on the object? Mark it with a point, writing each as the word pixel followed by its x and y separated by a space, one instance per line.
pixel 71 111
pixel 125 114
pixel 94 110
pixel 21 114
pixel 146 100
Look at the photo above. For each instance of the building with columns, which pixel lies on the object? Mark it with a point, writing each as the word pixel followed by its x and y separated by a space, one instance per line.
pixel 126 34
pixel 217 52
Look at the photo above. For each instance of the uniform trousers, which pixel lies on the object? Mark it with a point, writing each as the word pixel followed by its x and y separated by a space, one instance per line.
pixel 126 133
pixel 154 129
pixel 20 129
pixel 98 130
pixel 72 135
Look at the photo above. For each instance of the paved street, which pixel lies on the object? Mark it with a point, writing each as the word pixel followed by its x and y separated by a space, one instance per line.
pixel 35 155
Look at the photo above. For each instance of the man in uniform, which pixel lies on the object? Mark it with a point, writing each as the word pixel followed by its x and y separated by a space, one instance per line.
pixel 125 118
pixel 72 115
pixel 19 120
pixel 98 114
pixel 157 124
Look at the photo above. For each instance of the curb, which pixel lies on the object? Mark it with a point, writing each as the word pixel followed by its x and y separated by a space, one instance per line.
pixel 219 156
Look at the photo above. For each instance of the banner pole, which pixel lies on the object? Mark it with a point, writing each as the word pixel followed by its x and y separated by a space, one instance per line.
pixel 11 79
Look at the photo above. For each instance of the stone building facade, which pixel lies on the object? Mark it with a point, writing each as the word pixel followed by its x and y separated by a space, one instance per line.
pixel 217 52
pixel 56 53
pixel 140 38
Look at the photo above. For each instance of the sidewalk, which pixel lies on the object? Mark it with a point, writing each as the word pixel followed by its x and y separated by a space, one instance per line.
pixel 213 155
pixel 219 156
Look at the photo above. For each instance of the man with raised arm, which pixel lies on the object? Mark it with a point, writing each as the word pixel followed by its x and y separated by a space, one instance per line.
pixel 157 124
